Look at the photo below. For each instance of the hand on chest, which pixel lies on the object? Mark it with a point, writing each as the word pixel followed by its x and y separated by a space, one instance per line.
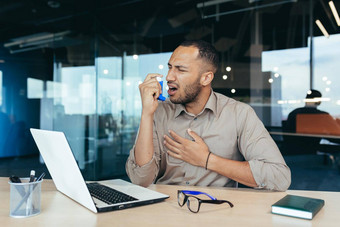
pixel 221 139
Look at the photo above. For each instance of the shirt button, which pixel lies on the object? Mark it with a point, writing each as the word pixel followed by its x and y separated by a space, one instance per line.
pixel 262 185
pixel 195 118
pixel 187 182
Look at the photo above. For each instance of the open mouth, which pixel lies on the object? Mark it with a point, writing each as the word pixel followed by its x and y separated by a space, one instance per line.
pixel 172 89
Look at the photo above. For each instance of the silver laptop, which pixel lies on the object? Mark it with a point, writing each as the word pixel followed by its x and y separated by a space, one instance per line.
pixel 61 164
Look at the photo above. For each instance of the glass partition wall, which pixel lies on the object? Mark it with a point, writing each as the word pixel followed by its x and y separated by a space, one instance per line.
pixel 96 103
pixel 85 81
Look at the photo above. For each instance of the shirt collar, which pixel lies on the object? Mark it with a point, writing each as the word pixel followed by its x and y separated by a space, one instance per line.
pixel 211 105
pixel 179 109
pixel 212 102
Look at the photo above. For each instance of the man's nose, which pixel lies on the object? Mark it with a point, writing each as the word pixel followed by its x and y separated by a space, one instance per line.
pixel 170 76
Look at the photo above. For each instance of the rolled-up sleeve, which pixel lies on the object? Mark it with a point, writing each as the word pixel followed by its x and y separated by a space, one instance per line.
pixel 141 175
pixel 146 174
pixel 272 176
pixel 258 148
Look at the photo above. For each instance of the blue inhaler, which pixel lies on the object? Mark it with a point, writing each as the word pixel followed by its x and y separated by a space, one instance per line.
pixel 161 97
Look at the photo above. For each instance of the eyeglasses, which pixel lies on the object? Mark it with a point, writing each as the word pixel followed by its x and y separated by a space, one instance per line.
pixel 193 202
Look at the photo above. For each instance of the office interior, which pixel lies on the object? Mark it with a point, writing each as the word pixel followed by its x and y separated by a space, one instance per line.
pixel 75 67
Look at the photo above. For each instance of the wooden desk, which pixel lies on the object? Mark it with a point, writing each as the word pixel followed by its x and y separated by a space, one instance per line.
pixel 251 208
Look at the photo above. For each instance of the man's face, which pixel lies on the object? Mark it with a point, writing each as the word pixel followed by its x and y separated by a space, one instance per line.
pixel 184 75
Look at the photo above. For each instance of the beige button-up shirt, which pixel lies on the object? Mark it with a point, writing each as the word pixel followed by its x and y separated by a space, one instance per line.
pixel 230 129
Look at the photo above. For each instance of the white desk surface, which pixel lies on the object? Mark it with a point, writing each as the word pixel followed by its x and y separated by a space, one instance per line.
pixel 251 208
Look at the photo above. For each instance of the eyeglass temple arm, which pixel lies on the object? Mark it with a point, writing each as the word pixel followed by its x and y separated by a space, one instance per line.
pixel 218 202
pixel 198 193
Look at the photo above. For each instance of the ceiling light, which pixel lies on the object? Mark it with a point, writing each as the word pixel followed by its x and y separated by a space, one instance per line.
pixel 224 77
pixel 276 75
pixel 105 71
pixel 270 80
pixel 160 66
pixel 211 3
pixel 328 82
pixel 233 90
pixel 324 78
pixel 335 12
pixel 53 4
pixel 35 37
pixel 135 56
pixel 216 2
pixel 228 69
pixel 322 28
pixel 35 41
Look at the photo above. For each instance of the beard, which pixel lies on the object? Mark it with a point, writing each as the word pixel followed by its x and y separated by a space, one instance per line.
pixel 191 93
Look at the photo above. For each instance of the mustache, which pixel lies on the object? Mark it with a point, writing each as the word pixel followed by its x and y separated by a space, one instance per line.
pixel 173 84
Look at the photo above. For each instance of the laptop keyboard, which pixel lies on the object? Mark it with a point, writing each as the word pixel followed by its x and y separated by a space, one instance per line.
pixel 107 194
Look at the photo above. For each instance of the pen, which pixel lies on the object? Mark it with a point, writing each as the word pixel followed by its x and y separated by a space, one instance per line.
pixel 41 177
pixel 14 179
pixel 32 175
pixel 29 199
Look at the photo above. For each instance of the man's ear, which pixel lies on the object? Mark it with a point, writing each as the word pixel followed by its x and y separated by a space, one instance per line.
pixel 207 78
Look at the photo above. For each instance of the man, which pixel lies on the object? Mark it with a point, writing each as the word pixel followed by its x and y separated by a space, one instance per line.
pixel 322 121
pixel 311 105
pixel 199 137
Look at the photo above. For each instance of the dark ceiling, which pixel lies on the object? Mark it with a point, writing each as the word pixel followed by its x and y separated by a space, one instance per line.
pixel 156 25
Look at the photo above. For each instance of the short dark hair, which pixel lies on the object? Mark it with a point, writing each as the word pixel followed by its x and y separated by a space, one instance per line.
pixel 313 94
pixel 206 51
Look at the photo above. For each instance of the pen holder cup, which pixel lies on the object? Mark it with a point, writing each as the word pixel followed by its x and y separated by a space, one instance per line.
pixel 25 198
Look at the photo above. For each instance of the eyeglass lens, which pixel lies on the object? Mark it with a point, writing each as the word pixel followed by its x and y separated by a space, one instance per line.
pixel 193 204
pixel 181 198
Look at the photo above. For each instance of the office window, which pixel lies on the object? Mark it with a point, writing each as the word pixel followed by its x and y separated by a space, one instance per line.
pixel 326 72
pixel 109 85
pixel 74 105
pixel 56 90
pixel 79 89
pixel 291 66
pixel 98 107
pixel 35 88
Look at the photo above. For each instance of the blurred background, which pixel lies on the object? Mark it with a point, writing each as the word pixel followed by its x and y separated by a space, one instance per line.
pixel 75 66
